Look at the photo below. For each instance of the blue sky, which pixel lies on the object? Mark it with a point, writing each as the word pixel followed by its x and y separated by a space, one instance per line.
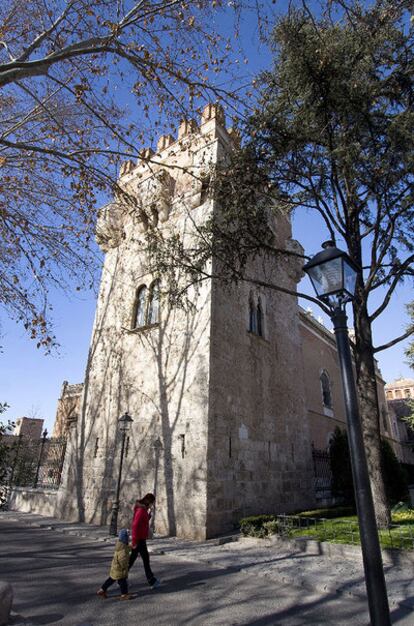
pixel 30 381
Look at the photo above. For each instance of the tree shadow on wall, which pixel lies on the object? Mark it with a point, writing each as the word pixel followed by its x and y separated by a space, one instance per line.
pixel 169 384
pixel 160 375
pixel 90 437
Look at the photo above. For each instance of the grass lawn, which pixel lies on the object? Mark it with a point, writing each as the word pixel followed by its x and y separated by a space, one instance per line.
pixel 345 529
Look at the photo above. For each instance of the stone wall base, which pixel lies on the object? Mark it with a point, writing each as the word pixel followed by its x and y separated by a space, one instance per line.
pixel 30 500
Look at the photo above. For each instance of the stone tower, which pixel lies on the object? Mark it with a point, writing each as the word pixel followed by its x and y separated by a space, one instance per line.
pixel 215 391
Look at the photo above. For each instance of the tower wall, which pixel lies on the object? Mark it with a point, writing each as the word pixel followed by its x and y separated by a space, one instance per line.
pixel 159 373
pixel 219 426
pixel 259 457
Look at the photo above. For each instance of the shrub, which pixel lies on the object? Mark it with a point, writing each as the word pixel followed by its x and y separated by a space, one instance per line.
pixel 409 470
pixel 271 528
pixel 254 526
pixel 329 513
pixel 395 478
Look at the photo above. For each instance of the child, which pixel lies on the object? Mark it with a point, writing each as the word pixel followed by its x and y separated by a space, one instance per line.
pixel 119 568
pixel 140 532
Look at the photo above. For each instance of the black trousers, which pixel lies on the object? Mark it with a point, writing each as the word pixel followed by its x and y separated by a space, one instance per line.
pixel 122 582
pixel 142 550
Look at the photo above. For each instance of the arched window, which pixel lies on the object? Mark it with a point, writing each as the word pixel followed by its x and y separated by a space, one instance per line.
pixel 259 318
pixel 252 316
pixel 326 390
pixel 147 306
pixel 256 317
pixel 140 307
pixel 154 303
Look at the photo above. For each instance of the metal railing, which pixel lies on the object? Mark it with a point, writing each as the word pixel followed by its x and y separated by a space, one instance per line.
pixel 322 474
pixel 36 462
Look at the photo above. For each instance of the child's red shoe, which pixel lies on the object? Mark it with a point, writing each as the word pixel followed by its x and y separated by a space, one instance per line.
pixel 101 593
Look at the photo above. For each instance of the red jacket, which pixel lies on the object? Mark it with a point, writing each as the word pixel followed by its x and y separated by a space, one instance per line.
pixel 140 523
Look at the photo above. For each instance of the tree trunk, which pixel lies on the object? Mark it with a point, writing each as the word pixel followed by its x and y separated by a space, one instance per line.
pixel 369 408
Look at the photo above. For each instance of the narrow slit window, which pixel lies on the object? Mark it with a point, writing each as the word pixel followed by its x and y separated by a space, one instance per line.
pixel 252 317
pixel 205 186
pixel 182 439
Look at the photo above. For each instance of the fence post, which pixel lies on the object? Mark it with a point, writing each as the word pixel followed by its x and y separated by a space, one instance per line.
pixel 39 462
pixel 62 460
pixel 16 457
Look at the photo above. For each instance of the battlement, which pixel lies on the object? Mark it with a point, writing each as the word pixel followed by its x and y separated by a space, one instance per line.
pixel 211 126
pixel 177 172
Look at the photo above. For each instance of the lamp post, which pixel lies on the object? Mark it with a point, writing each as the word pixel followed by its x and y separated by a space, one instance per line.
pixel 124 424
pixel 333 276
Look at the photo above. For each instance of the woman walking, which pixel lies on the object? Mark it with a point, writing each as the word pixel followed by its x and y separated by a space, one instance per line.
pixel 140 532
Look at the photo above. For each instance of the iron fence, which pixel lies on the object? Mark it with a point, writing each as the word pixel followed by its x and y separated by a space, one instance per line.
pixel 322 474
pixel 35 462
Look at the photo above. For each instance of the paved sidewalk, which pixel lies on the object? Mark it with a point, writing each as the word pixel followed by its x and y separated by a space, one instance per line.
pixel 285 562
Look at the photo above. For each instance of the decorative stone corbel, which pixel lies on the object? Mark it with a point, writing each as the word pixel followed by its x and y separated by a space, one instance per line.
pixel 109 230
pixel 133 200
pixel 199 182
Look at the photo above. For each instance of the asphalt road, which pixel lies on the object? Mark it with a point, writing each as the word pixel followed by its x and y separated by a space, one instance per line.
pixel 55 578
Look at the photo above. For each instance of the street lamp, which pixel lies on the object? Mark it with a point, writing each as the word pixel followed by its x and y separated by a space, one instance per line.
pixel 333 275
pixel 124 423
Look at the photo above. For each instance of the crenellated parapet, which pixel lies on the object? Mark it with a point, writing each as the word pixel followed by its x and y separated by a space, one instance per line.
pixel 179 171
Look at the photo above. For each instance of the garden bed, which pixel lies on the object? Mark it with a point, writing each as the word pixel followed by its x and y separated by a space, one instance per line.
pixel 332 528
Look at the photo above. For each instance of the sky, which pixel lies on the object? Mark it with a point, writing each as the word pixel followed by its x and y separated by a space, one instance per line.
pixel 31 381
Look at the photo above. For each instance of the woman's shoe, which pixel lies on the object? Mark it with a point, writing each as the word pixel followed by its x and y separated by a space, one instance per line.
pixel 126 596
pixel 101 593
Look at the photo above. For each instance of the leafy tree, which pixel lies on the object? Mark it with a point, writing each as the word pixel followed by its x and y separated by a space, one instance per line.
pixel 409 352
pixel 395 478
pixel 334 130
pixel 332 133
pixel 342 483
pixel 408 415
pixel 404 410
pixel 70 73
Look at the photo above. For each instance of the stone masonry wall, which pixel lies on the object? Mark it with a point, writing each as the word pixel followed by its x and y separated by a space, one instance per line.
pixel 259 457
pixel 159 374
